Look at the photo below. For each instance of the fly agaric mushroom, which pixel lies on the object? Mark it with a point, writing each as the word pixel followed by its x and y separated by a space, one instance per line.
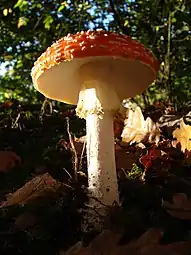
pixel 96 70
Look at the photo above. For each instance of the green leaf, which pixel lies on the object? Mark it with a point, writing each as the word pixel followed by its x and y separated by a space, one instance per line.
pixel 5 12
pixel 157 28
pixel 39 6
pixel 18 4
pixel 80 7
pixel 126 23
pixel 60 8
pixel 21 5
pixel 22 22
pixel 185 28
pixel 6 95
pixel 28 56
pixel 58 26
pixel 48 21
pixel 8 57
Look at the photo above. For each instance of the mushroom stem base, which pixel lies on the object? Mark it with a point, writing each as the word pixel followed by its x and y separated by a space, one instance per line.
pixel 102 175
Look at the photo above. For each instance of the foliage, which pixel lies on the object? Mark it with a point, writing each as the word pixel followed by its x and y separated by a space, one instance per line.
pixel 180 208
pixel 29 27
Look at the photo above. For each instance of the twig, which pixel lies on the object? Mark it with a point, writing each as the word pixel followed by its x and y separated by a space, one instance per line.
pixel 67 173
pixel 126 175
pixel 81 156
pixel 37 23
pixel 73 149
pixel 43 108
pixel 16 121
pixel 117 17
pixel 68 186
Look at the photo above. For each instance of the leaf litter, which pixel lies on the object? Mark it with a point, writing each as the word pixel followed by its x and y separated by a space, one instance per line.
pixel 140 146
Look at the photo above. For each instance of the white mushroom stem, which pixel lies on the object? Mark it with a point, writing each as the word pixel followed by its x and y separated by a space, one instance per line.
pixel 96 104
pixel 101 158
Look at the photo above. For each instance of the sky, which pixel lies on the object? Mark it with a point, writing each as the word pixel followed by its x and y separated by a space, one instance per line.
pixel 2 68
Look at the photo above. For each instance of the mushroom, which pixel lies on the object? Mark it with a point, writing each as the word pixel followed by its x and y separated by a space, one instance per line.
pixel 96 70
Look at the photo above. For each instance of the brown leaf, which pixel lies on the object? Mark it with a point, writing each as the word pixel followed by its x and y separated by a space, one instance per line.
pixel 25 221
pixel 188 157
pixel 181 248
pixel 137 129
pixel 119 117
pixel 180 208
pixel 8 160
pixel 107 244
pixel 39 186
pixel 126 158
pixel 183 136
pixel 144 244
pixel 152 236
pixel 76 249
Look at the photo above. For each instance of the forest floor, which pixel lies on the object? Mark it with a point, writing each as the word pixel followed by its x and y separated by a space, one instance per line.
pixel 42 204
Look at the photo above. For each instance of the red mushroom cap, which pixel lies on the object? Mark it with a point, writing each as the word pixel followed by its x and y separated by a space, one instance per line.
pixel 55 72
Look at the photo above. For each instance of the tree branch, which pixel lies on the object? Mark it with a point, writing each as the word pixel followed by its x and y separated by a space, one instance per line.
pixel 118 19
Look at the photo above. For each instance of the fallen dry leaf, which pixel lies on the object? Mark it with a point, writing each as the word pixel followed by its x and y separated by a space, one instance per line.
pixel 119 117
pixel 188 157
pixel 8 160
pixel 125 158
pixel 156 163
pixel 180 207
pixel 76 249
pixel 25 221
pixel 107 244
pixel 39 186
pixel 183 136
pixel 137 129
